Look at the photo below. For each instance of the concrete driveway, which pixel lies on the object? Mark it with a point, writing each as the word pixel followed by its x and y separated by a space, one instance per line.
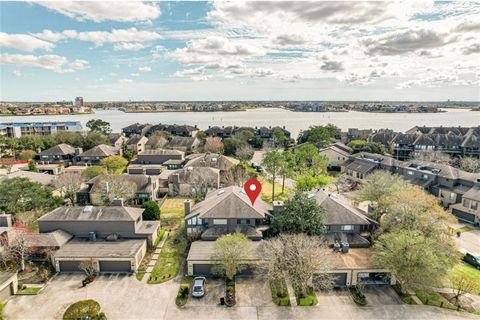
pixel 214 290
pixel 379 295
pixel 123 297
pixel 337 297
pixel 469 241
pixel 252 291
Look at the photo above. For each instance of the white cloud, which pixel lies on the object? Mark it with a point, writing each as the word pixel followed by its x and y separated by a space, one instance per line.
pixel 49 62
pixel 24 42
pixel 135 74
pixel 128 46
pixel 16 73
pixel 144 69
pixel 124 11
pixel 130 35
pixel 125 81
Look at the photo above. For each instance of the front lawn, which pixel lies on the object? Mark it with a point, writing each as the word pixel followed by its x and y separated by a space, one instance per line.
pixel 29 291
pixel 148 256
pixel 309 300
pixel 172 212
pixel 468 272
pixel 170 257
pixel 267 191
pixel 463 229
pixel 434 299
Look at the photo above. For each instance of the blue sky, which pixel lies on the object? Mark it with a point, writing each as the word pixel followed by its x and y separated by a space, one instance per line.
pixel 410 50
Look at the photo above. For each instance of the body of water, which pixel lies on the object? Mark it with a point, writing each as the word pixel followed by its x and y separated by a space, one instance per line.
pixel 293 121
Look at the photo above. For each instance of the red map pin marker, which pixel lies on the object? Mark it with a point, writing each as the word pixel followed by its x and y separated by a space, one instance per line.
pixel 252 188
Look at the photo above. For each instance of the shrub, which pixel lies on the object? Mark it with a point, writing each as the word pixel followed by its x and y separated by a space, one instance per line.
pixel 357 295
pixel 310 299
pixel 84 309
pixel 280 293
pixel 152 210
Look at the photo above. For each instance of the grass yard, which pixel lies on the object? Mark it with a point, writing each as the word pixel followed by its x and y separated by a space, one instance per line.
pixel 148 256
pixel 468 272
pixel 434 299
pixel 463 229
pixel 172 212
pixel 170 257
pixel 267 191
pixel 280 294
pixel 29 291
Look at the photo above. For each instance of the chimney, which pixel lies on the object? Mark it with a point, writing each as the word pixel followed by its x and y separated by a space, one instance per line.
pixel 117 202
pixel 78 151
pixel 5 220
pixel 277 206
pixel 187 205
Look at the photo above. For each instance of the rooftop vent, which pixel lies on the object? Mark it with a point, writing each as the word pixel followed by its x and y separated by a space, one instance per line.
pixel 220 192
pixel 88 209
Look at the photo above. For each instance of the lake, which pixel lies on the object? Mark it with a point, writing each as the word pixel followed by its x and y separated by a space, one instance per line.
pixel 293 121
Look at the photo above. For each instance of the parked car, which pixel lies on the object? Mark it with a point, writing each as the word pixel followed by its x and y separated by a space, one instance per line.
pixel 472 260
pixel 198 287
pixel 259 169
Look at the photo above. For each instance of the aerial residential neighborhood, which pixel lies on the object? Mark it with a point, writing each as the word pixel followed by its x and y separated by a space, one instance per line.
pixel 239 160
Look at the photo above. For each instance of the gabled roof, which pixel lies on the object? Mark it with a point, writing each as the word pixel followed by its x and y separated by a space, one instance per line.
pixel 473 193
pixel 343 147
pixel 472 138
pixel 101 150
pixel 336 149
pixel 55 238
pixel 113 137
pixel 92 213
pixel 338 210
pixel 143 182
pixel 405 138
pixel 181 142
pixel 230 202
pixel 62 149
pixel 159 152
pixel 189 175
pixel 42 178
pixel 444 170
pixel 383 137
pixel 135 139
pixel 361 166
pixel 213 160
pixel 156 142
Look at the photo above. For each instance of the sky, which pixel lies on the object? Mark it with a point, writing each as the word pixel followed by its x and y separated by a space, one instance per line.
pixel 347 50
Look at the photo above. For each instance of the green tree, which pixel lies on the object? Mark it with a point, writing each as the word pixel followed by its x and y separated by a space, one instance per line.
pixel 27 155
pixel 231 252
pixel 272 162
pixel 309 160
pixel 300 214
pixel 93 171
pixel 98 125
pixel 366 146
pixel 287 167
pixel 128 155
pixel 114 164
pixel 21 194
pixel 230 146
pixel 414 259
pixel 320 136
pixel 75 139
pixel 93 139
pixel 152 210
pixel 279 137
pixel 246 135
pixel 307 182
pixel 201 135
pixel 32 166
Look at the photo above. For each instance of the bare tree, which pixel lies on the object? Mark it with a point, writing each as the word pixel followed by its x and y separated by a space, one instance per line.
pixel 244 153
pixel 111 187
pixel 213 145
pixel 470 164
pixel 231 252
pixel 340 182
pixel 237 176
pixel 432 156
pixel 17 245
pixel 89 267
pixel 69 184
pixel 461 286
pixel 298 258
pixel 201 185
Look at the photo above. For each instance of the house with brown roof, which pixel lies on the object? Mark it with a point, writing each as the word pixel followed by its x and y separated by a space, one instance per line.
pixel 61 153
pixel 97 154
pixel 185 144
pixel 189 181
pixel 159 156
pixel 225 211
pixel 136 143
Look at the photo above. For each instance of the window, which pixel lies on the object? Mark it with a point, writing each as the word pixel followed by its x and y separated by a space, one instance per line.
pixel 219 221
pixel 199 221
pixel 347 227
pixel 425 176
pixel 410 173
pixel 474 205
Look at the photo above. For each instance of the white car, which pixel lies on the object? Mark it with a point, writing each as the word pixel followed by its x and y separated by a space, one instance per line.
pixel 198 288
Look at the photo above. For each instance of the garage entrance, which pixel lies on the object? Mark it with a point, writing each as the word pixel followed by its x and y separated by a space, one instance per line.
pixel 202 269
pixel 374 278
pixel 465 216
pixel 70 266
pixel 115 266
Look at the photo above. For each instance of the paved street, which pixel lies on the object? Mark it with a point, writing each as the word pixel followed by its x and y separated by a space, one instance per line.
pixel 469 241
pixel 123 297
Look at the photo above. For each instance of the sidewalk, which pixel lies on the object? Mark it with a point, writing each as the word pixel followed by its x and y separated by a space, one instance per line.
pixel 153 261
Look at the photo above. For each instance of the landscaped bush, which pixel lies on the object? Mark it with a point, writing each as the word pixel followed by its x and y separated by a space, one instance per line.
pixel 84 309
pixel 182 295
pixel 230 293
pixel 280 293
pixel 310 299
pixel 357 295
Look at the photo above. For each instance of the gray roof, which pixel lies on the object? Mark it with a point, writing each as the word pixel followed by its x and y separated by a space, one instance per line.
pixel 213 160
pixel 473 193
pixel 338 210
pixel 101 150
pixel 377 158
pixel 134 139
pixel 361 166
pixel 342 146
pixel 42 178
pixel 203 251
pixel 156 142
pixel 83 248
pixel 445 171
pixel 55 238
pixel 336 149
pixel 91 213
pixel 231 202
pixel 180 142
pixel 143 182
pixel 161 152
pixel 190 174
pixel 62 149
